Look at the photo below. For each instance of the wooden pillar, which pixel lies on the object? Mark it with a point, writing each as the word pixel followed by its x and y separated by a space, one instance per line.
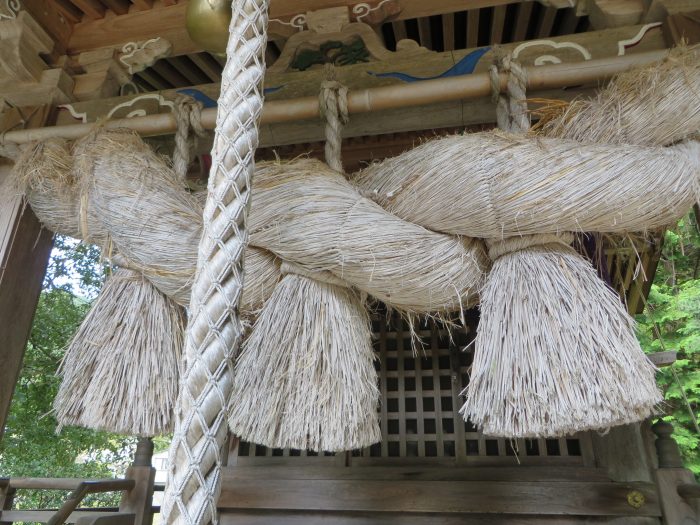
pixel 139 500
pixel 670 476
pixel 24 255
pixel 624 453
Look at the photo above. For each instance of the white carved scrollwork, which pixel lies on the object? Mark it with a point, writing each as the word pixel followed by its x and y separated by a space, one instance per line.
pixel 363 9
pixel 10 9
pixel 298 22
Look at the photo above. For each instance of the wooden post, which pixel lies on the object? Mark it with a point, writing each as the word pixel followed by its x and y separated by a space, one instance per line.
pixel 670 476
pixel 7 496
pixel 139 500
pixel 24 255
pixel 622 452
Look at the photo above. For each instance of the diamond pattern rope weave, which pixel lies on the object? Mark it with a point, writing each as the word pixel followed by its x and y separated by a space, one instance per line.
pixel 214 329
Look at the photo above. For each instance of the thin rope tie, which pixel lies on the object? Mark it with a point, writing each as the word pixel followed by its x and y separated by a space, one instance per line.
pixel 333 103
pixel 511 109
pixel 188 114
pixel 214 328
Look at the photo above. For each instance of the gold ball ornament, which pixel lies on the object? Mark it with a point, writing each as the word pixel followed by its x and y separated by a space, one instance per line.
pixel 208 22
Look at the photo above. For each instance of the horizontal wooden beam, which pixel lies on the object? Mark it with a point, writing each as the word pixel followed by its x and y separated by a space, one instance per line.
pixel 448 497
pixel 513 474
pixel 368 101
pixel 169 21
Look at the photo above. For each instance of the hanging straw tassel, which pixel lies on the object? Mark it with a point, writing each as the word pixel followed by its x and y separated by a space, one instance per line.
pixel 121 370
pixel 305 379
pixel 556 351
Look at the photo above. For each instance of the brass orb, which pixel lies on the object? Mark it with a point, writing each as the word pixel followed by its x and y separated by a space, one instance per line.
pixel 207 24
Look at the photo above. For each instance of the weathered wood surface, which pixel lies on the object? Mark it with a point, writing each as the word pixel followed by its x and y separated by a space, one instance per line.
pixel 24 255
pixel 42 516
pixel 139 500
pixel 623 453
pixel 676 509
pixel 361 518
pixel 370 495
pixel 411 65
pixel 169 22
pixel 513 474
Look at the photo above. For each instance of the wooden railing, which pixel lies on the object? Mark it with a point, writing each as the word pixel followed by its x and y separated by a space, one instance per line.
pixel 135 508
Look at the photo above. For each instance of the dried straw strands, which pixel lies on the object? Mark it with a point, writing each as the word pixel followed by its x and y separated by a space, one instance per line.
pixel 44 174
pixel 555 350
pixel 305 377
pixel 140 202
pixel 495 185
pixel 121 370
pixel 656 105
pixel 308 214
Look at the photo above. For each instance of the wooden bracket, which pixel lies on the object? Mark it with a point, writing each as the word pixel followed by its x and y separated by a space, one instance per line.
pixel 104 71
pixel 25 79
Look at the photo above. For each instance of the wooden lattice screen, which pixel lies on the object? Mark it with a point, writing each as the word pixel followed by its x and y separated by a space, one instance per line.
pixel 419 409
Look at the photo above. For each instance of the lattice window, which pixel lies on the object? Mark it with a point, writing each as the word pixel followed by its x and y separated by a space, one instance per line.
pixel 419 409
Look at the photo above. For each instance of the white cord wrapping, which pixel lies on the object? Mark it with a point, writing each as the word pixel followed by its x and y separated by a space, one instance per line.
pixel 214 329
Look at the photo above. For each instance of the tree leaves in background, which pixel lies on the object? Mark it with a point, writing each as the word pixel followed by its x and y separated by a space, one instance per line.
pixel 31 446
pixel 674 306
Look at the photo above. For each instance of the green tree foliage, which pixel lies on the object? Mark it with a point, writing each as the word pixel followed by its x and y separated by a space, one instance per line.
pixel 31 445
pixel 672 321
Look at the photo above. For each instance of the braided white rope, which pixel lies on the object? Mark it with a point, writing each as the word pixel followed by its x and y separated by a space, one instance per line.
pixel 214 329
pixel 333 103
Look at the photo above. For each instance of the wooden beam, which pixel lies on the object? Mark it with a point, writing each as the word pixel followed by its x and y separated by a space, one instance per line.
pixel 168 21
pixel 615 13
pixel 57 22
pixel 120 7
pixel 143 5
pixel 497 23
pixel 370 495
pixel 91 8
pixel 24 253
pixel 285 86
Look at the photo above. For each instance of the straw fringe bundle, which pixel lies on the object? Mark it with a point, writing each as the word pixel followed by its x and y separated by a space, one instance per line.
pixel 495 185
pixel 309 214
pixel 486 185
pixel 555 351
pixel 656 105
pixel 305 379
pixel 120 371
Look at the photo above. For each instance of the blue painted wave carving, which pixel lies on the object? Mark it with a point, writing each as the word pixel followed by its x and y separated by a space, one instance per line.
pixel 465 66
pixel 209 102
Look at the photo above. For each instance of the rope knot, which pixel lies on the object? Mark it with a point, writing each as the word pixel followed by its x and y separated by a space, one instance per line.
pixel 499 248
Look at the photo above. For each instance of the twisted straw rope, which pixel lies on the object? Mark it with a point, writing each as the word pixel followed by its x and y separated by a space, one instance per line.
pixel 511 109
pixel 333 102
pixel 214 329
pixel 188 113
